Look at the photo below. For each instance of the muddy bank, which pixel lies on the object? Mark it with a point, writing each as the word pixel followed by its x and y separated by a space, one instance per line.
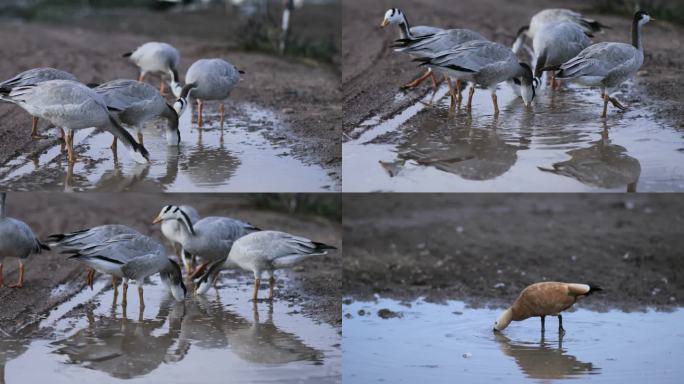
pixel 372 72
pixel 303 91
pixel 314 285
pixel 485 249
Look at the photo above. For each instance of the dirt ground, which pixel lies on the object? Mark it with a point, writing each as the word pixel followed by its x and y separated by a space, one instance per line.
pixel 485 249
pixel 315 285
pixel 372 72
pixel 305 92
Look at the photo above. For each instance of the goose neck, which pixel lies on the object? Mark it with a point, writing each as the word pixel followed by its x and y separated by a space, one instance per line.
pixel 405 28
pixel 636 35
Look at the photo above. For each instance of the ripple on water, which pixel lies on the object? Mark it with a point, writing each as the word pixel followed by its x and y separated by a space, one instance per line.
pixel 562 145
pixel 454 343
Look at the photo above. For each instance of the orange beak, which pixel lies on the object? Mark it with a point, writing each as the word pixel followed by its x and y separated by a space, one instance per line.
pixel 156 220
pixel 384 23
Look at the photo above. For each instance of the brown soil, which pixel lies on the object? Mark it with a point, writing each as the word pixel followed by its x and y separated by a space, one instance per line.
pixel 487 248
pixel 306 92
pixel 316 284
pixel 372 72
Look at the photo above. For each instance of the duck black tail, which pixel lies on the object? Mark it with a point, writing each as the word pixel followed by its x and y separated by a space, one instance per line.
pixel 594 288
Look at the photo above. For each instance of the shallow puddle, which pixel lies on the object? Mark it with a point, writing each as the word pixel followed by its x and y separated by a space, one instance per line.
pixel 560 145
pixel 214 338
pixel 433 343
pixel 239 158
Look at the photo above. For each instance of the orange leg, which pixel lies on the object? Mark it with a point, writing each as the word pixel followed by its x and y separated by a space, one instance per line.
pixel 34 129
pixel 200 268
pixel 70 147
pixel 161 88
pixel 141 77
pixel 140 138
pixel 257 282
pixel 199 113
pixel 124 301
pixel 20 281
pixel 90 277
pixel 605 104
pixel 496 104
pixel 470 96
pixel 271 284
pixel 222 113
pixel 140 296
pixel 113 146
pixel 417 81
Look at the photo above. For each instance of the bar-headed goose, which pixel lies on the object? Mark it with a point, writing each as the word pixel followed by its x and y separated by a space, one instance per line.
pixel 132 257
pixel 555 44
pixel 608 65
pixel 210 238
pixel 553 16
pixel 544 299
pixel 135 103
pixel 397 17
pixel 264 251
pixel 430 45
pixel 171 229
pixel 485 63
pixel 16 240
pixel 87 237
pixel 208 79
pixel 32 77
pixel 72 105
pixel 158 58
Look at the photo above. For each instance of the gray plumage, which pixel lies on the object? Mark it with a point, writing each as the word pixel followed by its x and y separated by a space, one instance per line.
pixel 210 79
pixel 16 237
pixel 210 238
pixel 157 58
pixel 608 65
pixel 135 103
pixel 557 15
pixel 430 45
pixel 73 106
pixel 131 256
pixel 557 43
pixel 87 237
pixel 265 251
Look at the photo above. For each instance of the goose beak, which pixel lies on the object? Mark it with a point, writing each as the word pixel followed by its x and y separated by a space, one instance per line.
pixel 385 22
pixel 156 220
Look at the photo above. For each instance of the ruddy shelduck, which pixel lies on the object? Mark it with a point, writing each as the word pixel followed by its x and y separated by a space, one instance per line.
pixel 544 299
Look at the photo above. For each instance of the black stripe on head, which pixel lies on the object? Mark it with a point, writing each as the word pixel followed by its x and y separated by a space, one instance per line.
pixel 393 10
pixel 166 208
pixel 522 30
pixel 187 221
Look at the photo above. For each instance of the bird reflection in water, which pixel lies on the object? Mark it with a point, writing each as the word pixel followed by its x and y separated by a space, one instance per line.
pixel 602 165
pixel 546 360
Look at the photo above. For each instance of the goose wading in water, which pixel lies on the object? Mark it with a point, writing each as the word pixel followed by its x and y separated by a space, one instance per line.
pixel 135 103
pixel 171 229
pixel 32 77
pixel 428 46
pixel 208 79
pixel 157 58
pixel 555 16
pixel 132 257
pixel 555 44
pixel 72 105
pixel 210 238
pixel 264 251
pixel 544 299
pixel 397 17
pixel 607 65
pixel 92 236
pixel 485 63
pixel 16 240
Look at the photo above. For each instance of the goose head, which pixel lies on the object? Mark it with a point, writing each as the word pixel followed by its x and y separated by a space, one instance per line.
pixel 504 319
pixel 642 18
pixel 393 16
pixel 173 212
pixel 180 105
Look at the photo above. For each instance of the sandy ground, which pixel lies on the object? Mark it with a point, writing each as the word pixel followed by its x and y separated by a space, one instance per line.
pixel 316 285
pixel 306 92
pixel 485 249
pixel 372 72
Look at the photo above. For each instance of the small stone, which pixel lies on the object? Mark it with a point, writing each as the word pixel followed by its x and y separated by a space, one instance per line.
pixel 388 314
pixel 459 229
pixel 457 312
pixel 499 285
pixel 626 256
pixel 287 110
pixel 629 205
pixel 467 355
pixel 361 312
pixel 573 258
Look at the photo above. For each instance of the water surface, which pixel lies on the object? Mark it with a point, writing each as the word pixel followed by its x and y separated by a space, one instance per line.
pixel 452 343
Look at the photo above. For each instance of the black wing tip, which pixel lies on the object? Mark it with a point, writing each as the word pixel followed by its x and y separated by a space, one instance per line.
pixel 127 54
pixel 43 246
pixel 594 288
pixel 240 71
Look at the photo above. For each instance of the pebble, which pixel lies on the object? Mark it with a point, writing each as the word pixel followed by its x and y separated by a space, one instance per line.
pixel 467 355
